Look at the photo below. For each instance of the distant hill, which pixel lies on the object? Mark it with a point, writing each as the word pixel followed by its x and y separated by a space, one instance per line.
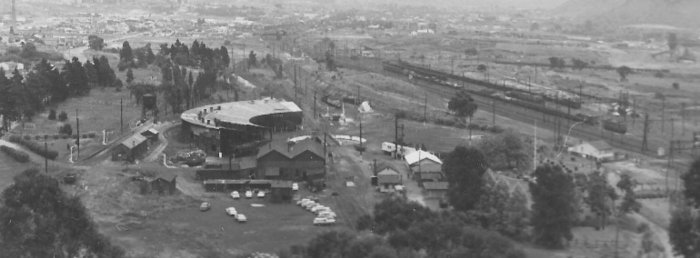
pixel 681 13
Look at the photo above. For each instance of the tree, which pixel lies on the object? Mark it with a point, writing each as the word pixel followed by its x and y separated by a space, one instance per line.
pixel 691 183
pixel 63 116
pixel 629 201
pixel 105 73
pixel 129 76
pixel 95 42
pixel 553 206
pixel 579 64
pixel 501 210
pixel 464 168
pixel 672 42
pixel 329 244
pixel 482 68
pixel 52 114
pixel 506 151
pixel 126 54
pixel 623 71
pixel 38 219
pixel 252 60
pixel 462 104
pixel 556 62
pixel 91 73
pixel 684 231
pixel 600 197
pixel 394 214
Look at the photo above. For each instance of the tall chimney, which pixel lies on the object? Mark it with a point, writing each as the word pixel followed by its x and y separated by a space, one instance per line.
pixel 14 13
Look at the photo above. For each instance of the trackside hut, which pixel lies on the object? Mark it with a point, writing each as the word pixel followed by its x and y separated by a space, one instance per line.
pixel 130 149
pixel 598 150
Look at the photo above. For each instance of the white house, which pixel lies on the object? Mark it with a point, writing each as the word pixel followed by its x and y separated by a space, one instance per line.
pixel 598 150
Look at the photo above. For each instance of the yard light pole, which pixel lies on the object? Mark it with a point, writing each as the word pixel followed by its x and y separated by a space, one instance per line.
pixel 566 138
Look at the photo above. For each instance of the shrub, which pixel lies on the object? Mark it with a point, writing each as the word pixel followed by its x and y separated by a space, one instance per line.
pixel 52 114
pixel 65 129
pixel 56 137
pixel 92 135
pixel 27 137
pixel 496 129
pixel 37 137
pixel 63 116
pixel 34 147
pixel 85 136
pixel 17 155
pixel 676 86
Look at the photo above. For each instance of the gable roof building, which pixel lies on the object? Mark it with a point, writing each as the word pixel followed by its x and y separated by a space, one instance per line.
pixel 598 150
pixel 414 157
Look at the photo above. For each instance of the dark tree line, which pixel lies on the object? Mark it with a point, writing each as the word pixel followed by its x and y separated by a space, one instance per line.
pixel 21 97
pixel 400 228
pixel 135 58
pixel 198 55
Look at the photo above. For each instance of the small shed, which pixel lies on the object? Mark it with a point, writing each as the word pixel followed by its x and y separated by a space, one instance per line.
pixel 387 178
pixel 597 150
pixel 281 191
pixel 151 134
pixel 130 149
pixel 164 183
pixel 437 190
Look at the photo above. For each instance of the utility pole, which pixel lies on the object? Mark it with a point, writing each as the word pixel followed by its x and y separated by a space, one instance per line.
pixel 121 115
pixel 534 146
pixel 396 135
pixel 646 132
pixel 46 150
pixel 425 108
pixel 668 165
pixel 294 66
pixel 315 105
pixel 663 113
pixel 493 112
pixel 360 117
pixel 77 132
pixel 683 118
pixel 580 94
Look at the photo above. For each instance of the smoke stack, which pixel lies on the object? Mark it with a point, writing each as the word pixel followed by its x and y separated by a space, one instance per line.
pixel 14 13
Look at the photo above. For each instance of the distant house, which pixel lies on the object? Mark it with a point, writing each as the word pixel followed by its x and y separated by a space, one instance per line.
pixel 130 149
pixel 282 160
pixel 387 179
pixel 435 190
pixel 598 150
pixel 422 162
pixel 161 184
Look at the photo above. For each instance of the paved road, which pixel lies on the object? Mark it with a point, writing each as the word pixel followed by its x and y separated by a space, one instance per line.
pixel 79 52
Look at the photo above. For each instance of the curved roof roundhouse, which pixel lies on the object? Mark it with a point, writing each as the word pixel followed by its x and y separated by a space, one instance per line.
pixel 239 112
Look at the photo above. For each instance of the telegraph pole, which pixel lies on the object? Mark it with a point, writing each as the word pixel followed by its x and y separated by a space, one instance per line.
pixel 663 113
pixel 121 115
pixel 46 150
pixel 396 135
pixel 77 132
pixel 683 118
pixel 315 104
pixel 425 108
pixel 646 132
pixel 493 112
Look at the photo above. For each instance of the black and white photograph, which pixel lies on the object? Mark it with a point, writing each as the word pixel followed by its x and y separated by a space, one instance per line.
pixel 349 129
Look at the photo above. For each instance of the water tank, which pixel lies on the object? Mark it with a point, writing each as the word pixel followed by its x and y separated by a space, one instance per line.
pixel 149 101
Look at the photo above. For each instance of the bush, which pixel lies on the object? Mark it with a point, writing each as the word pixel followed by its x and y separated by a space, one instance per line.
pixel 27 137
pixel 34 147
pixel 52 114
pixel 63 116
pixel 676 86
pixel 56 137
pixel 85 136
pixel 92 135
pixel 37 137
pixel 17 155
pixel 65 129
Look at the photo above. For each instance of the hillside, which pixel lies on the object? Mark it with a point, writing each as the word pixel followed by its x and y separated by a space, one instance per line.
pixel 679 13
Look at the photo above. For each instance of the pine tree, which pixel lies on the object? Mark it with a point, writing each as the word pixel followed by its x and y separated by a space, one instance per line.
pixel 464 168
pixel 129 76
pixel 553 208
pixel 126 54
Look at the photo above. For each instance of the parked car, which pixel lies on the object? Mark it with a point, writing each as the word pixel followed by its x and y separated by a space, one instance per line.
pixel 241 218
pixel 205 206
pixel 327 214
pixel 261 194
pixel 310 206
pixel 302 201
pixel 318 208
pixel 324 221
pixel 235 195
pixel 248 194
pixel 295 187
pixel 231 211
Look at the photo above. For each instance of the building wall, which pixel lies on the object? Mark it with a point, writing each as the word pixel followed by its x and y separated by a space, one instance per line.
pixel 305 164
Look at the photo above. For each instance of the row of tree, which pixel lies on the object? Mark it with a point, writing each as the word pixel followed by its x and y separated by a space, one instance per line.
pixel 135 58
pixel 198 55
pixel 399 228
pixel 44 85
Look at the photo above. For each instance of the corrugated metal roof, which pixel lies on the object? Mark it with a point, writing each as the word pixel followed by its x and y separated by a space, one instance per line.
pixel 133 141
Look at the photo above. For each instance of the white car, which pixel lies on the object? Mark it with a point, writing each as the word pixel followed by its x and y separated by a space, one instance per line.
pixel 327 214
pixel 295 187
pixel 318 208
pixel 324 221
pixel 261 194
pixel 248 194
pixel 311 205
pixel 241 218
pixel 235 195
pixel 302 201
pixel 323 209
pixel 231 211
